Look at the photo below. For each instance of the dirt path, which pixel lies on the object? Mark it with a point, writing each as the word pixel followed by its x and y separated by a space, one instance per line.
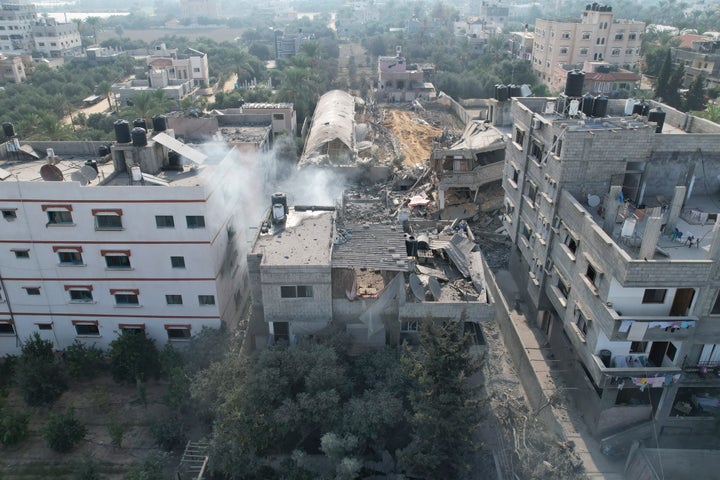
pixel 413 133
pixel 228 86
pixel 100 107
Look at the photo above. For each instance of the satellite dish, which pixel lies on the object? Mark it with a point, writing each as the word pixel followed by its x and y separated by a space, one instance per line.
pixel 417 287
pixel 51 173
pixel 88 172
pixel 77 176
pixel 593 200
pixel 434 286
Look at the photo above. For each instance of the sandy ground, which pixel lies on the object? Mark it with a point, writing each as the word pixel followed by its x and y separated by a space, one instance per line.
pixel 100 107
pixel 414 134
pixel 228 86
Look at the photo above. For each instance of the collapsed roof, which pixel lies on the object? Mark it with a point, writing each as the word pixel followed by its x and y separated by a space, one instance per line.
pixel 332 133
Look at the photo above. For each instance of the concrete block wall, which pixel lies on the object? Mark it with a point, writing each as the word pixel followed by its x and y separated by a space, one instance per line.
pixel 474 311
pixel 67 148
pixel 318 308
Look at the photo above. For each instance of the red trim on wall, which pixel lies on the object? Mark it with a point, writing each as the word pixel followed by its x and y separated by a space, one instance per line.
pixel 135 291
pixel 67 247
pixel 117 252
pixel 78 287
pixel 45 208
pixel 116 211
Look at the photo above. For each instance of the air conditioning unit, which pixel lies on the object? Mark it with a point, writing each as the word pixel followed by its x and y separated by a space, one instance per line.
pixel 536 124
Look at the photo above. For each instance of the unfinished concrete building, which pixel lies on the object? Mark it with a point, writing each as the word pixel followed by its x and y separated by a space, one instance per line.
pixel 612 210
pixel 377 283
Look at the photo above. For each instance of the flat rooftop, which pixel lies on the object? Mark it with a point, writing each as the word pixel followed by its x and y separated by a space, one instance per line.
pixel 250 134
pixel 305 239
pixel 372 246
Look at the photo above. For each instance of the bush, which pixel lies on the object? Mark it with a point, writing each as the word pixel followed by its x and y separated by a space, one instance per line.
pixel 133 357
pixel 87 471
pixel 38 377
pixel 169 432
pixel 13 427
pixel 83 362
pixel 63 431
pixel 151 468
pixel 116 431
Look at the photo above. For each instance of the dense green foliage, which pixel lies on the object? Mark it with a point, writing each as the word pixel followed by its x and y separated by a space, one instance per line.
pixel 13 427
pixel 82 361
pixel 133 357
pixel 63 431
pixel 37 374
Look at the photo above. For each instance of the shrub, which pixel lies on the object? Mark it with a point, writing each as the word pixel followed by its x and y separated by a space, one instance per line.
pixel 63 431
pixel 169 432
pixel 87 471
pixel 38 377
pixel 13 427
pixel 133 356
pixel 116 431
pixel 83 362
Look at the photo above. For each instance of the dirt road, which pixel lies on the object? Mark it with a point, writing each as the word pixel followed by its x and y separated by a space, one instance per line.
pixel 100 107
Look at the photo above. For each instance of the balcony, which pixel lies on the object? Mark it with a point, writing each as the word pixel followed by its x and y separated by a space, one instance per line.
pixel 635 369
pixel 701 373
pixel 647 328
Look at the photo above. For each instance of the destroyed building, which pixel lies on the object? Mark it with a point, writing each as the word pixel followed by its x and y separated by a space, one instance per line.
pixel 400 81
pixel 612 209
pixel 101 238
pixel 308 271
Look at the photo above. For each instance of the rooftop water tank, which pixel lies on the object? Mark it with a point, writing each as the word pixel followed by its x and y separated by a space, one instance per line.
pixel 600 106
pixel 122 131
pixel 8 129
pixel 103 150
pixel 514 91
pixel 587 104
pixel 574 83
pixel 279 198
pixel 657 115
pixel 139 137
pixel 502 93
pixel 159 123
pixel 140 123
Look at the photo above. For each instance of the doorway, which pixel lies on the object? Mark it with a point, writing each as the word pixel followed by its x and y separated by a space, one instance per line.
pixel 281 331
pixel 681 303
pixel 660 350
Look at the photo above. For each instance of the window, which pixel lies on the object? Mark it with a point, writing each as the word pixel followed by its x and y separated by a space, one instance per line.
pixel 296 291
pixel 638 347
pixel 81 294
pixel 22 253
pixel 116 259
pixel 515 175
pixel 32 290
pixel 619 36
pixel 632 36
pixel 44 326
pixel 195 221
pixel 178 332
pixel 410 326
pixel 583 51
pixel 70 257
pixel 86 328
pixel 278 116
pixel 629 51
pixel 586 36
pixel 564 287
pixel 132 327
pixel 177 262
pixel 716 306
pixel 6 327
pixel 204 300
pixel 563 51
pixel 531 191
pixel 174 299
pixel 9 215
pixel 654 295
pixel 615 52
pixel 565 35
pixel 536 150
pixel 108 219
pixel 519 137
pixel 164 221
pixel 571 243
pixel 59 217
pixel 526 231
pixel 125 297
pixel 591 274
pixel 582 323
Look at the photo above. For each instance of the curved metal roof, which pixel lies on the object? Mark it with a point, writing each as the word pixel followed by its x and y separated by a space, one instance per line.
pixel 334 118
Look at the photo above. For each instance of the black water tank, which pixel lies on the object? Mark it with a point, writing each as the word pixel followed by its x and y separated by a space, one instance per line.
pixel 159 123
pixel 657 115
pixel 140 123
pixel 8 129
pixel 587 104
pixel 502 92
pixel 605 357
pixel 574 83
pixel 139 137
pixel 103 150
pixel 122 131
pixel 637 109
pixel 514 91
pixel 281 198
pixel 92 163
pixel 174 159
pixel 411 246
pixel 600 106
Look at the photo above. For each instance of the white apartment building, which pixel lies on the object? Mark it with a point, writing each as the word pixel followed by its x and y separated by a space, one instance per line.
pixel 56 40
pixel 596 37
pixel 149 244
pixel 16 21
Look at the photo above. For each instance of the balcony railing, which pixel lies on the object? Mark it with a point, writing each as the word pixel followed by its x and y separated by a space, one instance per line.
pixel 701 372
pixel 635 372
pixel 653 327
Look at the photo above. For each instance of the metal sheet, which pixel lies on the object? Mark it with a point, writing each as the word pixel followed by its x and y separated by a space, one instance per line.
pixel 177 146
pixel 434 287
pixel 4 174
pixel 417 287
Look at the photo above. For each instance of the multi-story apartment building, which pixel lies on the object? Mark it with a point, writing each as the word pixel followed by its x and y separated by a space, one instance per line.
pixel 614 221
pixel 55 39
pixel 12 69
pixel 702 57
pixel 596 37
pixel 16 21
pixel 142 242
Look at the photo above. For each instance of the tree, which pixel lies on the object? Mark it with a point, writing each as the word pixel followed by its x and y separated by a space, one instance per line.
pixel 133 357
pixel 38 377
pixel 13 427
pixel 676 83
pixel 445 408
pixel 63 431
pixel 695 97
pixel 96 25
pixel 83 362
pixel 662 86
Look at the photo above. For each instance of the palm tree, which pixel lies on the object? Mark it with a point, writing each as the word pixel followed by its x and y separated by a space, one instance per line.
pixel 49 127
pixel 96 25
pixel 151 102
